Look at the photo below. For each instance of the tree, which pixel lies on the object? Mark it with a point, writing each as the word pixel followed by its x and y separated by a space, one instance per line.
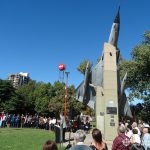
pixel 25 101
pixel 6 92
pixel 56 103
pixel 138 80
pixel 138 69
pixel 82 66
pixel 42 94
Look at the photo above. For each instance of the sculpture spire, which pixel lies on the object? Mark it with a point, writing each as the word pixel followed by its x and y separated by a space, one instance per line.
pixel 117 19
pixel 114 34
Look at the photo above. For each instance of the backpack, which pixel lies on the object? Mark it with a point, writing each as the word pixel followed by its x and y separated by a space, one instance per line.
pixel 137 146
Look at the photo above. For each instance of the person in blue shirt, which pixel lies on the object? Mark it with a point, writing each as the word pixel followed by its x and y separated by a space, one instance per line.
pixel 146 139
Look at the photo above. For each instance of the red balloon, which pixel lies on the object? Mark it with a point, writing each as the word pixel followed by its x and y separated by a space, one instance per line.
pixel 61 67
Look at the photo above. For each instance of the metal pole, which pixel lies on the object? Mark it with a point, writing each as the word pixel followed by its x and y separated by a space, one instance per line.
pixel 66 95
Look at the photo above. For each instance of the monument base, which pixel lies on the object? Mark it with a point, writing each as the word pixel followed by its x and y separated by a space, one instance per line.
pixel 107 95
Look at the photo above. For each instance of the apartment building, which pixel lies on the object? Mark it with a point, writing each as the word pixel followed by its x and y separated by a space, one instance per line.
pixel 19 79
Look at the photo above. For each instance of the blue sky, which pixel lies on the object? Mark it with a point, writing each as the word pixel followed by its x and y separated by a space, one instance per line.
pixel 36 36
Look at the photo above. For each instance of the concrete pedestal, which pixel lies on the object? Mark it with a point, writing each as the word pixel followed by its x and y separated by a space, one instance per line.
pixel 107 95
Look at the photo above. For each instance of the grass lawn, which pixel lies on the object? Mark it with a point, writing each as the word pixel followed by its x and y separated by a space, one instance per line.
pixel 24 139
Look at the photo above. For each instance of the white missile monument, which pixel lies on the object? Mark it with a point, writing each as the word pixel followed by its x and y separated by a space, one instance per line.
pixel 102 88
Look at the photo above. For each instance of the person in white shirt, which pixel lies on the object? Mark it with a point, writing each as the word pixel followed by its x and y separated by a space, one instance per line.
pixel 52 123
pixel 134 126
pixel 63 125
pixel 3 119
pixel 129 132
pixel 135 138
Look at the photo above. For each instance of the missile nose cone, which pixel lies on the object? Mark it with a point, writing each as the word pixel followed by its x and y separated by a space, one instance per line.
pixel 114 34
pixel 117 19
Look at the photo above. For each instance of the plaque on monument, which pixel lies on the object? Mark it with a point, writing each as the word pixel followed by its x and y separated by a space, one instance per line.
pixel 112 116
pixel 112 124
pixel 112 120
pixel 112 110
pixel 101 113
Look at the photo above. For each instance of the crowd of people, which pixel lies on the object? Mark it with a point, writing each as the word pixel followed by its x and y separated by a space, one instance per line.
pixel 79 137
pixel 42 122
pixel 130 136
pixel 26 121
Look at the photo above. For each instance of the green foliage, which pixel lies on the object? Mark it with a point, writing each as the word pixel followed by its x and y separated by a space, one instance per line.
pixel 144 113
pixel 38 97
pixel 57 101
pixel 138 80
pixel 6 92
pixel 138 69
pixel 42 95
pixel 25 98
pixel 147 37
pixel 82 66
